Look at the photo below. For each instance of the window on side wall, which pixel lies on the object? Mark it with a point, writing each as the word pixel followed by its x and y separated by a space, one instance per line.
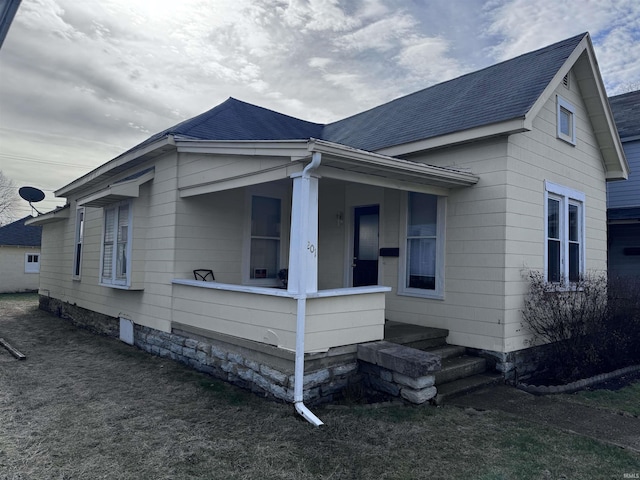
pixel 31 263
pixel 77 257
pixel 265 239
pixel 115 265
pixel 422 264
pixel 566 120
pixel 564 233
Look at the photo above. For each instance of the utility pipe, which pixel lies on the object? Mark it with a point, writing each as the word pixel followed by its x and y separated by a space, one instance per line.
pixel 302 251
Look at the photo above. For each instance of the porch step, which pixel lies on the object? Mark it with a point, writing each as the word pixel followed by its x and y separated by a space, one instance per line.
pixel 415 336
pixel 459 367
pixel 465 385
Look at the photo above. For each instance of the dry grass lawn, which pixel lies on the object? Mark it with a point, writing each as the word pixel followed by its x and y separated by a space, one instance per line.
pixel 83 406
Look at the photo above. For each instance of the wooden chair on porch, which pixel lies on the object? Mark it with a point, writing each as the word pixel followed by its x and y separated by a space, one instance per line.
pixel 204 275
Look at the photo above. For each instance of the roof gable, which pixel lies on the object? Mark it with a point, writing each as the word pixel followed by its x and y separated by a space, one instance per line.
pixel 20 235
pixel 626 112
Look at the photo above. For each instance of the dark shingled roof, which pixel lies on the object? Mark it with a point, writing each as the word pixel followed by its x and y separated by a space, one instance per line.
pixel 495 94
pixel 498 93
pixel 237 120
pixel 626 112
pixel 20 235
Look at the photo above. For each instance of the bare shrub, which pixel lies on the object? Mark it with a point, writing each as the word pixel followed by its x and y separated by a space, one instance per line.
pixel 572 319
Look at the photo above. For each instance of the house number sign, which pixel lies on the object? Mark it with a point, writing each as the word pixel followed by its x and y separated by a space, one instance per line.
pixel 312 248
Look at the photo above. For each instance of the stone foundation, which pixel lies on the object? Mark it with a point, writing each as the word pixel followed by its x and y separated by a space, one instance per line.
pixel 263 369
pixel 516 366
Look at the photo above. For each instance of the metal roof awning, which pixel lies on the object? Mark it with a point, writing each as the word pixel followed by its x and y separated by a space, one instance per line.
pixel 123 189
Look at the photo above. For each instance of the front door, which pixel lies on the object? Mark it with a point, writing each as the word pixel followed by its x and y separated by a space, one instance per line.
pixel 365 246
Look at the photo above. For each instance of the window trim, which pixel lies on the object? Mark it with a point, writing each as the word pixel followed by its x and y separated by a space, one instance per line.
pixel 31 267
pixel 79 239
pixel 562 104
pixel 114 281
pixel 566 196
pixel 438 293
pixel 269 191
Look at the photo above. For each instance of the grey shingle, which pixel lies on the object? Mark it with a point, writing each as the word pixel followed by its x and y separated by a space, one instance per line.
pixel 18 234
pixel 626 112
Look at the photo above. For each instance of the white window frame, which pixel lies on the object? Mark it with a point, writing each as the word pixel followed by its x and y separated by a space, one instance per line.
pixel 78 243
pixel 566 196
pixel 403 289
pixel 32 262
pixel 563 105
pixel 113 280
pixel 269 191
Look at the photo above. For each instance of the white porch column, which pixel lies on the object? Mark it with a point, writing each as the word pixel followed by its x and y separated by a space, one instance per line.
pixel 303 246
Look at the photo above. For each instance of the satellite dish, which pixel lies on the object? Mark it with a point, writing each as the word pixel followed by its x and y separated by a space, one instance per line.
pixel 32 195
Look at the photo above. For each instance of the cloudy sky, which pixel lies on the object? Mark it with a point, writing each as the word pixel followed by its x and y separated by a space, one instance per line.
pixel 83 81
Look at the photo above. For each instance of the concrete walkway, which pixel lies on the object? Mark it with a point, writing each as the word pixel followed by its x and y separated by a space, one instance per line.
pixel 612 428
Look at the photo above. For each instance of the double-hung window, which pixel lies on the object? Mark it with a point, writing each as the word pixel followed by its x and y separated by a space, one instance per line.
pixel 422 269
pixel 116 245
pixel 564 232
pixel 77 258
pixel 265 238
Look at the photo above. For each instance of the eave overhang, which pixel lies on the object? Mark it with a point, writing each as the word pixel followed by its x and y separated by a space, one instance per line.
pixel 56 215
pixel 122 190
pixel 119 164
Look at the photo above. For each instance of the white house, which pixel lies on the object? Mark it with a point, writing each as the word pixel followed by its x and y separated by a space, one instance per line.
pixel 427 210
pixel 19 257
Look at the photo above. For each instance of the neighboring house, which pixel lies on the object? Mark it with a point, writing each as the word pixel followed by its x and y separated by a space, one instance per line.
pixel 19 256
pixel 428 210
pixel 623 198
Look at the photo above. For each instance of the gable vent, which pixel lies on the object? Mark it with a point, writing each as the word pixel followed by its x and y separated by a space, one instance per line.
pixel 565 80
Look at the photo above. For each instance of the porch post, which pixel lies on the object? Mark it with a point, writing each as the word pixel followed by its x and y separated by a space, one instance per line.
pixel 303 246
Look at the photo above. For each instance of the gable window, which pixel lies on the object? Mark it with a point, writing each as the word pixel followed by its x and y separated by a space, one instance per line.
pixel 564 232
pixel 422 269
pixel 566 120
pixel 116 258
pixel 265 238
pixel 77 258
pixel 32 263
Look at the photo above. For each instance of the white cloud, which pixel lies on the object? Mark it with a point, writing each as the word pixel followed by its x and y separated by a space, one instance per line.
pixel 523 26
pixel 382 35
pixel 427 58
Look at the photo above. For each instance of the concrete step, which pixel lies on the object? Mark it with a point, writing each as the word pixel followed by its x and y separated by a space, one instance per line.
pixel 447 351
pixel 459 367
pixel 465 385
pixel 414 336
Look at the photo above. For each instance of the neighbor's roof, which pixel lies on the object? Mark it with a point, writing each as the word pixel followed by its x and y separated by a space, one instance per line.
pixel 626 111
pixel 17 234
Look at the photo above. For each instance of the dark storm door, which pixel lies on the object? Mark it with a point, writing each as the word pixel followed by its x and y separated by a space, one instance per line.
pixel 365 245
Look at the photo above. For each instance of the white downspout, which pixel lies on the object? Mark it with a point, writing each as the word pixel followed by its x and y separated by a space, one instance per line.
pixel 298 395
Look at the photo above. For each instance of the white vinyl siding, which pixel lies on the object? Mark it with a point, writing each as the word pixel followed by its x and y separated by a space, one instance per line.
pixel 116 258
